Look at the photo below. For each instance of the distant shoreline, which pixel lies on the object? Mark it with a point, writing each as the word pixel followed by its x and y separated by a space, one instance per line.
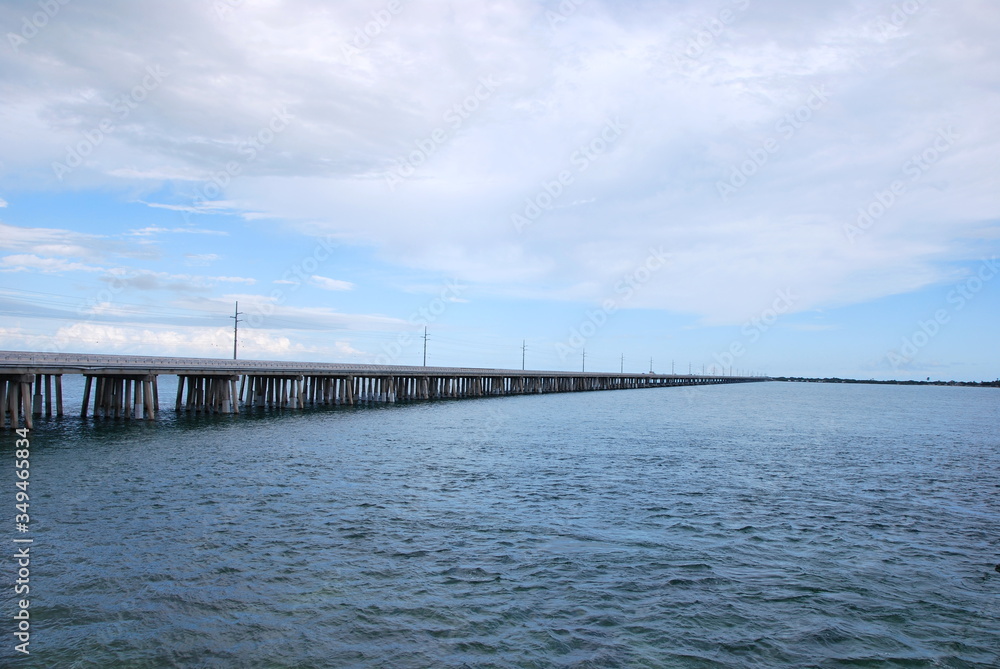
pixel 973 384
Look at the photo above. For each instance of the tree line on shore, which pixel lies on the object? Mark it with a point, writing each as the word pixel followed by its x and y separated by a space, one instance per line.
pixel 893 382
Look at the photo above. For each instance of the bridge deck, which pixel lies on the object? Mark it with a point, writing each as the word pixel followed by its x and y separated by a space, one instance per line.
pixel 17 362
pixel 125 386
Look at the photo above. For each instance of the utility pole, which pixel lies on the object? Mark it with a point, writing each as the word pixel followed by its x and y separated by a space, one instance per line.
pixel 524 346
pixel 425 346
pixel 650 365
pixel 689 369
pixel 671 368
pixel 236 327
pixel 584 368
pixel 623 363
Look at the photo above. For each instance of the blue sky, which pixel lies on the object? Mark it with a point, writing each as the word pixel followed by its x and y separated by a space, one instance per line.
pixel 780 187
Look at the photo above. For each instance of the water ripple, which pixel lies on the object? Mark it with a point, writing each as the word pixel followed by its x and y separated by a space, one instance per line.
pixel 777 525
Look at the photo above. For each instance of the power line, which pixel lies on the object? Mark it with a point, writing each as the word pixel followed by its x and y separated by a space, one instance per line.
pixel 236 327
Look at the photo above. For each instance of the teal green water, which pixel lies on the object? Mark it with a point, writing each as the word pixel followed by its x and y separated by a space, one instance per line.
pixel 762 525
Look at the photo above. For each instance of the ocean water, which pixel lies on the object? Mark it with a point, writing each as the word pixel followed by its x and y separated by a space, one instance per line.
pixel 758 525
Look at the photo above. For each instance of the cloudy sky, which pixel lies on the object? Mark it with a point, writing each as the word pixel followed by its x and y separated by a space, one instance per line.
pixel 776 186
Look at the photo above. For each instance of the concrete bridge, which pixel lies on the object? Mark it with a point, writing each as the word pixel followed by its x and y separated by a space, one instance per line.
pixel 123 386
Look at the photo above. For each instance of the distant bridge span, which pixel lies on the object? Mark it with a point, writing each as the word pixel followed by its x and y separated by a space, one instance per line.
pixel 125 386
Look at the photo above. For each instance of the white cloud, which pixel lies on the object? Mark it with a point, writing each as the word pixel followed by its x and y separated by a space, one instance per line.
pixel 201 259
pixel 209 342
pixel 327 283
pixel 25 263
pixel 268 312
pixel 149 280
pixel 191 341
pixel 54 241
pixel 155 230
pixel 84 337
pixel 3 203
pixel 690 122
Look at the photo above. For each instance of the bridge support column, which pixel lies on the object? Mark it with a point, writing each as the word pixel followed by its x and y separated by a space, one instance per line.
pixel 36 405
pixel 16 400
pixel 205 394
pixel 114 397
pixel 42 396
